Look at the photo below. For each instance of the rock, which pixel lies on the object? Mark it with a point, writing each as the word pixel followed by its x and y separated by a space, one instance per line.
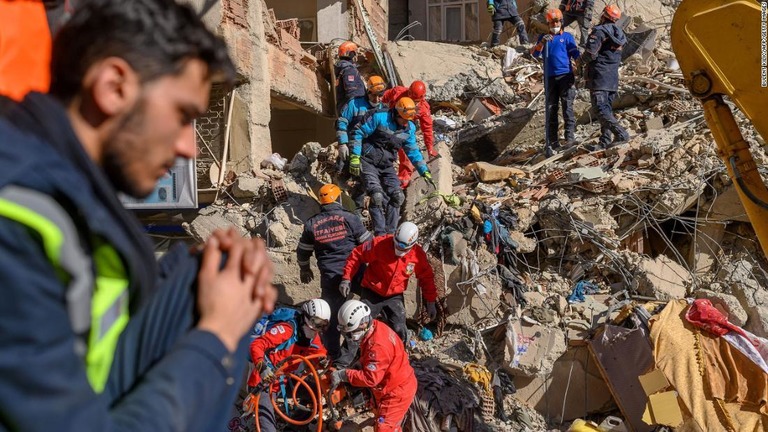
pixel 277 235
pixel 212 218
pixel 524 244
pixel 311 150
pixel 753 297
pixel 727 304
pixel 299 165
pixel 442 175
pixel 661 278
pixel 247 186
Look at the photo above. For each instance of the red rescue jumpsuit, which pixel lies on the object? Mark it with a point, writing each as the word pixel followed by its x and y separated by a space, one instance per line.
pixel 386 371
pixel 265 346
pixel 424 113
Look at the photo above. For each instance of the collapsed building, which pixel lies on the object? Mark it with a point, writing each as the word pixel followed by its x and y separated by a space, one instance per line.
pixel 564 276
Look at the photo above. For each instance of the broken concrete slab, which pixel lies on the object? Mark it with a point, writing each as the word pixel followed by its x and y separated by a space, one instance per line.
pixel 491 173
pixel 248 186
pixel 463 70
pixel 586 173
pixel 442 174
pixel 726 206
pixel 486 141
pixel 532 350
pixel 212 218
pixel 549 393
pixel 661 278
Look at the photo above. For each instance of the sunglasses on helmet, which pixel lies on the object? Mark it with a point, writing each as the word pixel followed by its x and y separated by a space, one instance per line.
pixel 316 323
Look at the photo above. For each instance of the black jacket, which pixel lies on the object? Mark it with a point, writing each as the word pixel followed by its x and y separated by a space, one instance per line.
pixel 349 83
pixel 577 7
pixel 602 57
pixel 331 235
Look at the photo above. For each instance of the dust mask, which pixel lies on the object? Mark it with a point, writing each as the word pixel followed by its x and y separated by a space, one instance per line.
pixel 554 30
pixel 309 332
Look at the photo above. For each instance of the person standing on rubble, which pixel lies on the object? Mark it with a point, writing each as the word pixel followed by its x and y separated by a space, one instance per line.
pixel 349 83
pixel 331 235
pixel 94 335
pixel 579 11
pixel 375 143
pixel 298 335
pixel 391 260
pixel 418 92
pixel 384 366
pixel 506 11
pixel 559 50
pixel 601 60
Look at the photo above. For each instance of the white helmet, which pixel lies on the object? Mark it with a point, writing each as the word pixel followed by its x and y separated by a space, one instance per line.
pixel 354 317
pixel 317 314
pixel 406 236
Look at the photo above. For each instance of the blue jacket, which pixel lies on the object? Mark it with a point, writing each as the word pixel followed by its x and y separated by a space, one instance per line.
pixel 44 381
pixel 602 57
pixel 505 9
pixel 560 50
pixel 349 83
pixel 378 138
pixel 351 114
pixel 331 235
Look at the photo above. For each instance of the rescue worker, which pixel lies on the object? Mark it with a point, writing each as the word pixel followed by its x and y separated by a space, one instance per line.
pixel 601 60
pixel 391 260
pixel 506 11
pixel 299 335
pixel 94 335
pixel 559 49
pixel 351 114
pixel 579 11
pixel 418 92
pixel 349 83
pixel 384 366
pixel 375 143
pixel 331 235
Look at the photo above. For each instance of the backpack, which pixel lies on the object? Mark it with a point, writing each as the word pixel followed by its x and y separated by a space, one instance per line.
pixel 267 322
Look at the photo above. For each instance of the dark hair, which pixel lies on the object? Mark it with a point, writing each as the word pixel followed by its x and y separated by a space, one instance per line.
pixel 156 37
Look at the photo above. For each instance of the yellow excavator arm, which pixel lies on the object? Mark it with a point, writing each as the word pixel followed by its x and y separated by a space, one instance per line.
pixel 719 48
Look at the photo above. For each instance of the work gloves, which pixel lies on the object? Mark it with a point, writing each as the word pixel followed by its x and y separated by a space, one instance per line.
pixel 431 310
pixel 338 376
pixel 343 152
pixel 547 37
pixel 306 275
pixel 354 165
pixel 267 375
pixel 428 178
pixel 491 9
pixel 345 287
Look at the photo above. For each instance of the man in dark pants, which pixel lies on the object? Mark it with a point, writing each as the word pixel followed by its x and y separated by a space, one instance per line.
pixel 581 12
pixel 375 143
pixel 91 333
pixel 559 49
pixel 503 11
pixel 601 60
pixel 331 235
pixel 391 260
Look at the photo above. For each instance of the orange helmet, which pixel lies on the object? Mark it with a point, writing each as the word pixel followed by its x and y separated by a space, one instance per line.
pixel 554 15
pixel 376 84
pixel 347 49
pixel 406 107
pixel 417 90
pixel 329 193
pixel 612 13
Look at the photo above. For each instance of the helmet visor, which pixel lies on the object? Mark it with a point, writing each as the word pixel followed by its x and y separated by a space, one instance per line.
pixel 402 248
pixel 317 324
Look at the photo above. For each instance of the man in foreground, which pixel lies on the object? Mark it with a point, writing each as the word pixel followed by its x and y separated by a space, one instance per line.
pixel 92 335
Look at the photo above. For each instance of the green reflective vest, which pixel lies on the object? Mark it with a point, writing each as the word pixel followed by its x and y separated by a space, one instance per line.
pixel 95 276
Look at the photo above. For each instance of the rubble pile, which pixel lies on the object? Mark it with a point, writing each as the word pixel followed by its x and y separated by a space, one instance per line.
pixel 549 264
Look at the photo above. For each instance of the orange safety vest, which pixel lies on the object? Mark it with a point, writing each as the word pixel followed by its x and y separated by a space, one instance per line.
pixel 25 48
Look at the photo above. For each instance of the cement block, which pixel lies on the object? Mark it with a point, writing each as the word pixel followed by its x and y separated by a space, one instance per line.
pixel 662 278
pixel 441 169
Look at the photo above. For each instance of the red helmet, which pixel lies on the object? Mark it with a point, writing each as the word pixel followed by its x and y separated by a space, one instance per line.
pixel 612 13
pixel 554 15
pixel 347 49
pixel 417 90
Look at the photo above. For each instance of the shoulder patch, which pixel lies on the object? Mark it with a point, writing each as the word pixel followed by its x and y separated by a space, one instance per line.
pixel 277 329
pixel 371 366
pixel 410 268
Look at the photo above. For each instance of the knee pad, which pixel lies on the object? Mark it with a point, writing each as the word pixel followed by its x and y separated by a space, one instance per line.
pixel 378 199
pixel 397 199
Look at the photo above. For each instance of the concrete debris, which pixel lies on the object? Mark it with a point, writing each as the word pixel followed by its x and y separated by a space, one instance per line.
pixel 661 278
